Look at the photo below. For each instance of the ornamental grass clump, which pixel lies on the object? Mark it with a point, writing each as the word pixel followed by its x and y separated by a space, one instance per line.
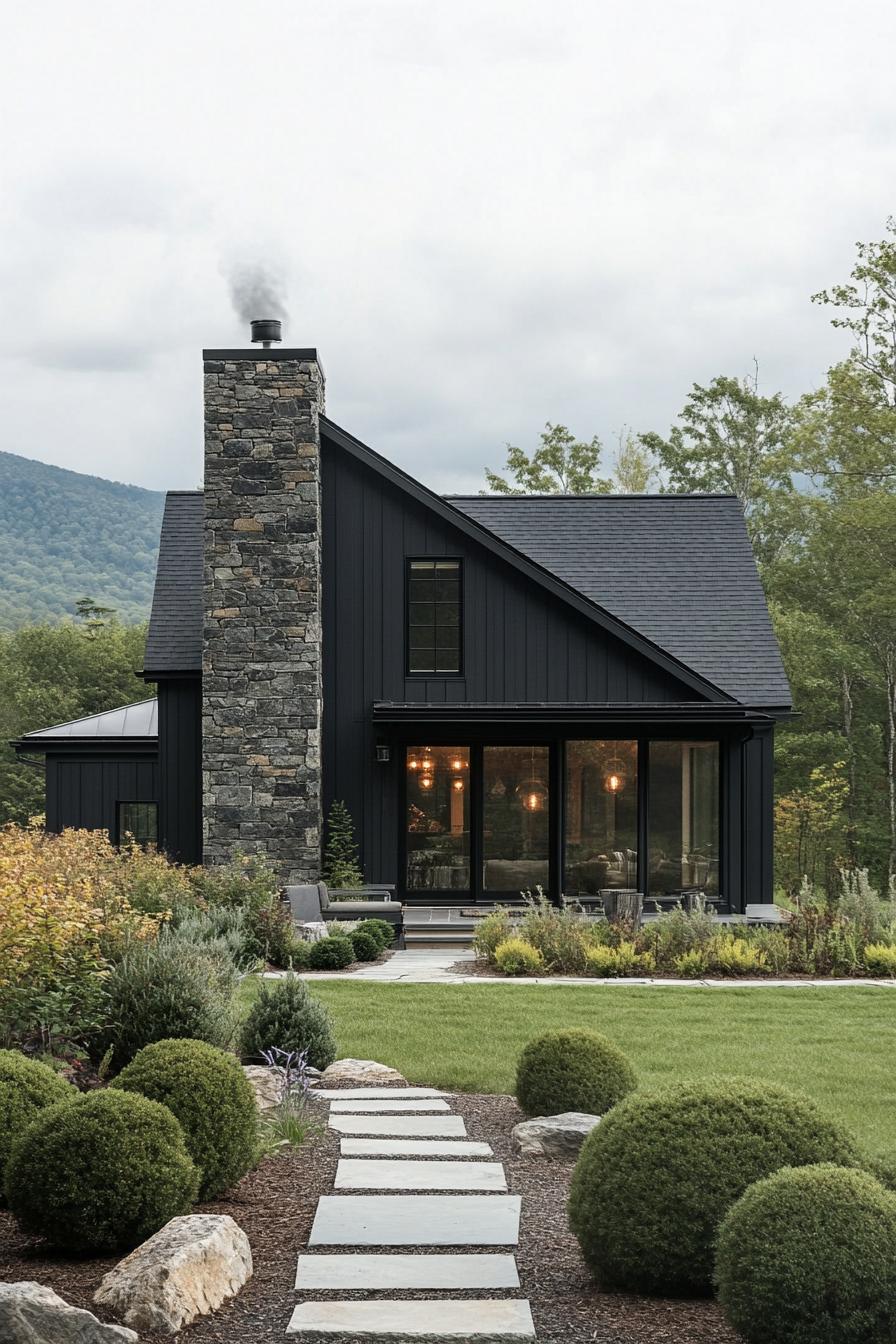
pixel 808 1256
pixel 26 1087
pixel 517 957
pixel 561 934
pixel 492 930
pixel 572 1070
pixel 331 954
pixel 101 1172
pixel 211 1097
pixel 655 1179
pixel 286 1017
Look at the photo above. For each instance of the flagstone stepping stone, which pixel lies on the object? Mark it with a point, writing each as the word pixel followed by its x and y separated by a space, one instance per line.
pixel 387 1107
pixel 414 1148
pixel 381 1174
pixel 345 1272
pixel 373 1093
pixel 416 1220
pixel 490 1319
pixel 401 1126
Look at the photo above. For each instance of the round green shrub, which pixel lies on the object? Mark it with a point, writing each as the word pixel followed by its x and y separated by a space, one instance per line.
pixel 572 1070
pixel 211 1097
pixel 331 954
pixel 26 1087
pixel 659 1173
pixel 364 945
pixel 382 930
pixel 285 1016
pixel 809 1255
pixel 166 990
pixel 104 1171
pixel 517 957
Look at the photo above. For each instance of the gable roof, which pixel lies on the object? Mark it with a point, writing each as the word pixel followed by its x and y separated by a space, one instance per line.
pixel 174 641
pixel 140 721
pixel 672 576
pixel 678 568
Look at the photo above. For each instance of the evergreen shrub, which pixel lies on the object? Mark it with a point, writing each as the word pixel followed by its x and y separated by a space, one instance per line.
pixel 211 1097
pixel 26 1087
pixel 572 1070
pixel 104 1171
pixel 658 1174
pixel 331 954
pixel 286 1017
pixel 517 957
pixel 808 1255
pixel 365 946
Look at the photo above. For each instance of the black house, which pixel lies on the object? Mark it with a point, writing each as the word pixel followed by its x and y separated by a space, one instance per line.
pixel 577 693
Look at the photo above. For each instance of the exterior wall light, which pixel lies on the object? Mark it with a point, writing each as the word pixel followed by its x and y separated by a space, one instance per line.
pixel 383 754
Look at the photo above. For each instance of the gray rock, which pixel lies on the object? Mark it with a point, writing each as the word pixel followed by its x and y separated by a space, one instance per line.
pixel 358 1072
pixel 186 1270
pixel 33 1314
pixel 554 1135
pixel 265 1084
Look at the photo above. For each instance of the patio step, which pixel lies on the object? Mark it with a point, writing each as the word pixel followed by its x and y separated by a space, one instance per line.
pixel 489 1318
pixel 418 936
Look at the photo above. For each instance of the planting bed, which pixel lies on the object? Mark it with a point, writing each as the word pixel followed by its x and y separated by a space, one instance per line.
pixel 275 1206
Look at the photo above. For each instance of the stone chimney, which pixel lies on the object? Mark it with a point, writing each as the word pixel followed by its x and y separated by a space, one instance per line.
pixel 261 666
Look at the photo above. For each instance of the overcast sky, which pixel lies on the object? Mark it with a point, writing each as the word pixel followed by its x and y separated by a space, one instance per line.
pixel 486 213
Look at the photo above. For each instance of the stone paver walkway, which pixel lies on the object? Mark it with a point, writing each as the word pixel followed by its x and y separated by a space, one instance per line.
pixel 406 1153
pixel 434 967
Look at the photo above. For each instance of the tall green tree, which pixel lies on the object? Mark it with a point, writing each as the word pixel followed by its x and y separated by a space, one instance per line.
pixel 52 674
pixel 561 465
pixel 730 439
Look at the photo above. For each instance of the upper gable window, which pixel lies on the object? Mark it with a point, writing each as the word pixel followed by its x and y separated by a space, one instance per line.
pixel 434 616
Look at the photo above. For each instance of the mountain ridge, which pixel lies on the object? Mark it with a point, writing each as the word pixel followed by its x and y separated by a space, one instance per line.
pixel 65 535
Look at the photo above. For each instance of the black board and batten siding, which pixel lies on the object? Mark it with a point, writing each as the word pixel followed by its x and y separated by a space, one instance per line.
pixel 82 791
pixel 180 757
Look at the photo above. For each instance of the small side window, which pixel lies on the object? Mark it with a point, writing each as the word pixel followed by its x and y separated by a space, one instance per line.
pixel 433 618
pixel 138 822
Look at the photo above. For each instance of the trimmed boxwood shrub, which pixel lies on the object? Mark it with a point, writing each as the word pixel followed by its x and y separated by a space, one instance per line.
pixel 808 1256
pixel 331 954
pixel 212 1098
pixel 382 930
pixel 26 1087
pixel 104 1171
pixel 364 945
pixel 285 1016
pixel 572 1070
pixel 659 1173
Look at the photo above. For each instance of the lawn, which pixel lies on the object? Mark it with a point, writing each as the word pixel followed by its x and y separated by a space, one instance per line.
pixel 838 1045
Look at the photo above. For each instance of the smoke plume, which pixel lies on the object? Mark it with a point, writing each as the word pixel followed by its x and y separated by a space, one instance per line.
pixel 257 291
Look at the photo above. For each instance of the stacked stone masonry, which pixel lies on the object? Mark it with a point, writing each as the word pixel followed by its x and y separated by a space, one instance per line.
pixel 261 677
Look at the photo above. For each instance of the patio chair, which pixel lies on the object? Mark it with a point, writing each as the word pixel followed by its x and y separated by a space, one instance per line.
pixel 310 904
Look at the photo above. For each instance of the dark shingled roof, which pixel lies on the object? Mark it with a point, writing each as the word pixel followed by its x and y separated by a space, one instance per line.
pixel 174 642
pixel 679 569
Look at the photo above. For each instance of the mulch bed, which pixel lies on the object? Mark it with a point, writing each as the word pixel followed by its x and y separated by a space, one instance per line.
pixel 275 1207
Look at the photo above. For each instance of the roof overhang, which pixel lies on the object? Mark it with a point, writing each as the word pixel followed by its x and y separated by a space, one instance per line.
pixel 86 746
pixel 696 713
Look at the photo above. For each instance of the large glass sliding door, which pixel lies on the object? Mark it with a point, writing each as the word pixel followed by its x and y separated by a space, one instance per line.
pixel 438 819
pixel 515 820
pixel 683 818
pixel 601 819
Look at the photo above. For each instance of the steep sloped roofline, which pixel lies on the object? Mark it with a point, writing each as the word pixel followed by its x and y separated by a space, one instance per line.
pixel 342 439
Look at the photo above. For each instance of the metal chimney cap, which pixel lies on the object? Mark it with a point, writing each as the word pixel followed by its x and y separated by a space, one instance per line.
pixel 266 330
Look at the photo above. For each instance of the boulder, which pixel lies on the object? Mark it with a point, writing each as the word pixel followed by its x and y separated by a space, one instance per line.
pixel 359 1073
pixel 33 1314
pixel 265 1083
pixel 554 1135
pixel 186 1270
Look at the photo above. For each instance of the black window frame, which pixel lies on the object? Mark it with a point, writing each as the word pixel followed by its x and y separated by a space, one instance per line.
pixel 411 560
pixel 121 831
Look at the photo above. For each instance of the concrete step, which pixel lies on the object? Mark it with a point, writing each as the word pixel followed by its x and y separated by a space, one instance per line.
pixel 416 1220
pixel 489 1318
pixel 380 1173
pixel 349 1273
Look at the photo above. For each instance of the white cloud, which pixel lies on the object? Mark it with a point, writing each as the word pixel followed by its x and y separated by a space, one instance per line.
pixel 488 213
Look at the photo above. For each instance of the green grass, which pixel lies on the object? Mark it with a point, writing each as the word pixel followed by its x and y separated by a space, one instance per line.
pixel 837 1045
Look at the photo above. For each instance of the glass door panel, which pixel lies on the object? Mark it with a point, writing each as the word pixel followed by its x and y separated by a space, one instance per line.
pixel 683 819
pixel 515 818
pixel 438 819
pixel 601 819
